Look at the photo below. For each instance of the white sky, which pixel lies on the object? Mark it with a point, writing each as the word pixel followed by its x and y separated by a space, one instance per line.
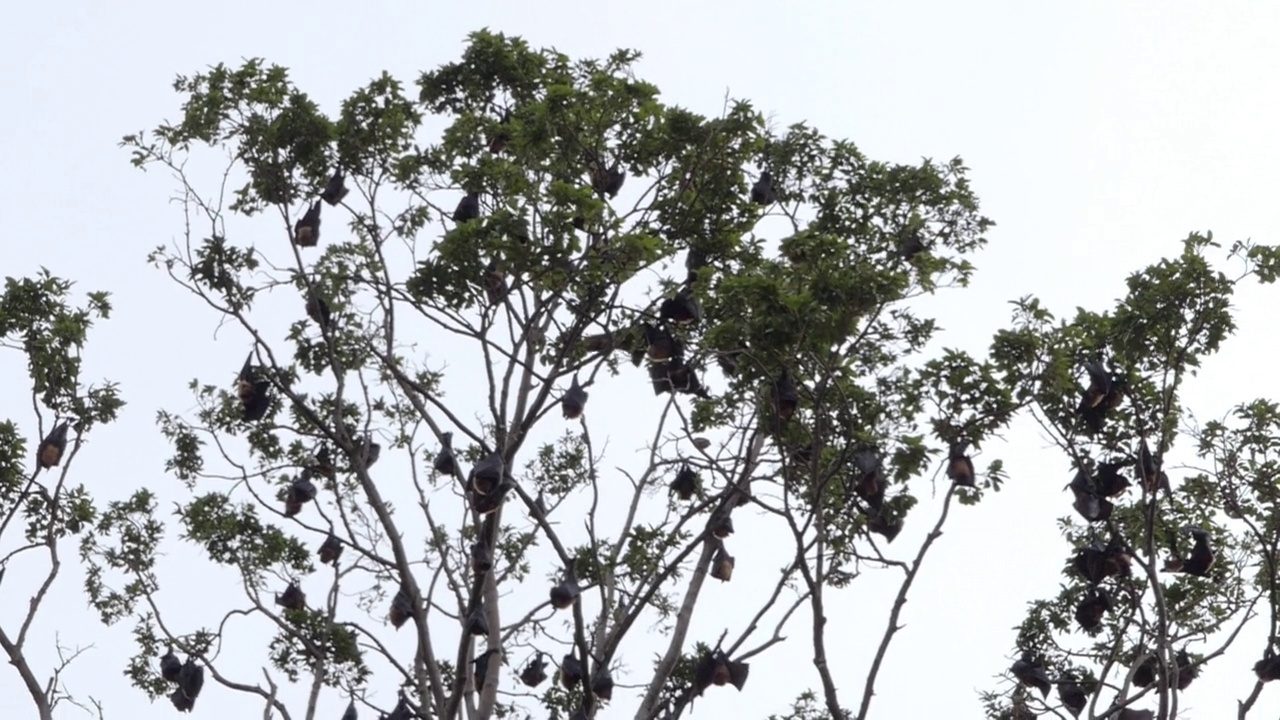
pixel 1098 136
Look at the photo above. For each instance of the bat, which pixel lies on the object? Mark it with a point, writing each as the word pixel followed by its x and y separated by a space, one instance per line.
pixel 785 396
pixel 574 400
pixel 300 492
pixel 683 378
pixel 1088 501
pixel 608 181
pixel 485 503
pixel 722 564
pixel 763 192
pixel 502 135
pixel 602 684
pixel 871 484
pixel 580 714
pixel 884 526
pixel 600 343
pixel 661 344
pixel 1091 563
pixel 910 244
pixel 1268 668
pixel 570 671
pixel 1132 714
pixel 1201 559
pixel 683 309
pixel 1145 675
pixel 487 474
pixel 540 504
pixel 190 682
pixel 694 261
pixel 567 591
pixel 701 443
pixel 334 190
pixel 401 608
pixel 959 466
pixel 254 394
pixel 368 451
pixel 715 668
pixel 306 232
pixel 728 361
pixel 402 710
pixel 535 673
pixel 480 668
pixel 51 449
pixel 445 463
pixel 686 484
pixel 1148 470
pixel 481 558
pixel 318 310
pixel 350 714
pixel 1117 559
pixel 1031 672
pixel 1099 387
pixel 324 464
pixel 1073 695
pixel 330 549
pixel 1092 608
pixel 293 598
pixel 170 667
pixel 468 208
pixel 721 526
pixel 1187 670
pixel 1109 481
pixel 494 282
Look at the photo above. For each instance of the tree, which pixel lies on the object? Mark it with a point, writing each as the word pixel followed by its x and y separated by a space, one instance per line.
pixel 790 395
pixel 1169 560
pixel 39 507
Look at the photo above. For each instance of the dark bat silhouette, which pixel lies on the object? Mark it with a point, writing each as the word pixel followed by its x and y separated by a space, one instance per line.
pixel 721 525
pixel 445 463
pixel 1073 695
pixel 476 623
pixel 574 400
pixel 293 598
pixel 1091 562
pixel 570 671
pixel 485 503
pixel 715 668
pixel 535 672
pixel 1031 672
pixel 1132 714
pixel 786 397
pixel 1145 675
pixel 1109 481
pixel 502 135
pixel 881 524
pixel 608 181
pixel 683 378
pixel 401 608
pixel 910 244
pixel 661 344
pixel 959 466
pixel 1201 559
pixel 683 309
pixel 402 711
pixel 254 393
pixel 170 667
pixel 49 454
pixel 318 310
pixel 468 208
pixel 871 483
pixel 1188 671
pixel 300 492
pixel 728 361
pixel 763 192
pixel 487 474
pixel 330 550
pixel 1268 668
pixel 368 451
pixel 1118 558
pixel 336 189
pixel 1099 386
pixel 567 591
pixel 481 558
pixel 324 464
pixel 190 682
pixel 494 282
pixel 722 564
pixel 1092 608
pixel 1089 502
pixel 1148 470
pixel 480 668
pixel 602 683
pixel 350 714
pixel 306 232
pixel 686 483
pixel 540 504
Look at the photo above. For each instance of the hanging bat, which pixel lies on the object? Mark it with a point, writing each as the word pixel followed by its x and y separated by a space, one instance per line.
pixel 402 710
pixel 701 443
pixel 1268 668
pixel 1132 714
pixel 254 394
pixel 886 527
pixel 483 504
pixel 1091 563
pixel 683 309
pixel 715 668
pixel 684 379
pixel 1088 501
pixel 170 667
pixel 580 713
pixel 54 445
pixel 1145 675
pixel 570 671
pixel 481 558
pixel 540 504
pixel 574 400
pixel 1118 559
pixel 694 261
pixel 480 668
pixel 330 549
pixel 1148 470
pixel 190 682
pixel 728 361
pixel 763 192
pixel 324 464
pixel 401 608
pixel 567 591
pixel 686 483
pixel 488 473
pixel 1201 559
pixel 602 684
pixel 660 344
pixel 721 525
pixel 1099 387
pixel 368 451
pixel 1073 695
pixel 350 714
pixel 535 672
pixel 494 282
pixel 785 396
pixel 871 484
pixel 1092 608
pixel 468 208
pixel 1031 672
pixel 959 466
pixel 722 564
pixel 1109 481
pixel 1187 670
pixel 299 492
pixel 445 464
pixel 334 190
pixel 306 232
pixel 318 310
pixel 608 181
pixel 910 244
pixel 502 136
pixel 293 598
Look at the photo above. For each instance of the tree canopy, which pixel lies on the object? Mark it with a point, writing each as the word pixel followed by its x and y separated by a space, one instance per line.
pixel 561 352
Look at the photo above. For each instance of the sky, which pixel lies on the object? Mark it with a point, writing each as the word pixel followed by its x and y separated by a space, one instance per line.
pixel 1099 135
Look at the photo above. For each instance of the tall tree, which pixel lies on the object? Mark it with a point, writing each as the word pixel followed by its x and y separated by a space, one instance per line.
pixel 1172 549
pixel 567 243
pixel 40 507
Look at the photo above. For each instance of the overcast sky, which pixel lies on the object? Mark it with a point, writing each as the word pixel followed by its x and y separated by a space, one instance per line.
pixel 1099 134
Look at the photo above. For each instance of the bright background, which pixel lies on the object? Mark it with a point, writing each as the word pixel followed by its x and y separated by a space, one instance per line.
pixel 1098 135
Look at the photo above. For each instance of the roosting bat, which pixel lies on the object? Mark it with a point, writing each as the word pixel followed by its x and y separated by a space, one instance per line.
pixel 715 668
pixel 336 189
pixel 481 558
pixel 49 454
pixel 602 683
pixel 445 463
pixel 574 400
pixel 567 591
pixel 1031 672
pixel 190 682
pixel 487 474
pixel 785 396
pixel 722 564
pixel 306 232
pixel 293 598
pixel 683 309
pixel 570 671
pixel 686 483
pixel 763 192
pixel 535 673
pixel 254 393
pixel 300 492
pixel 959 466
pixel 170 667
pixel 330 549
pixel 468 208
pixel 401 608
pixel 480 667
